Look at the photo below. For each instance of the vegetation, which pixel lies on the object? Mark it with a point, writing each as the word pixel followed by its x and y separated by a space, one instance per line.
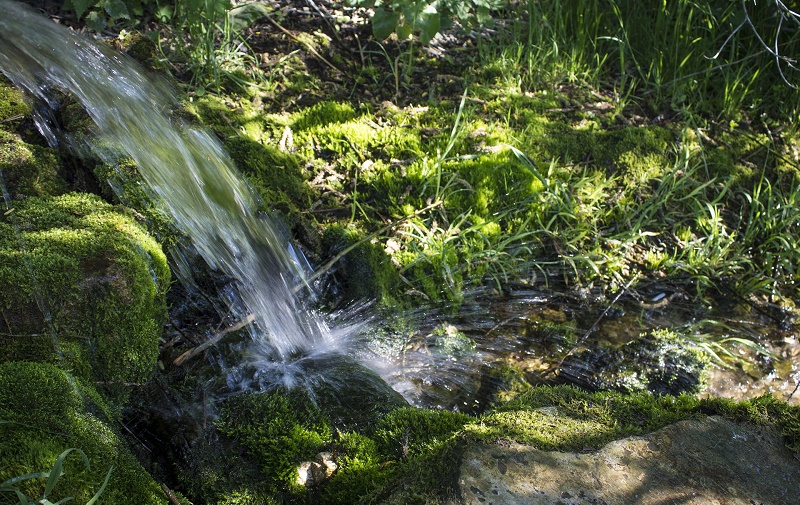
pixel 590 147
pixel 46 410
pixel 97 282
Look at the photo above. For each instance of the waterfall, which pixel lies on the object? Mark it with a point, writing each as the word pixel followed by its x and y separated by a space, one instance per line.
pixel 185 170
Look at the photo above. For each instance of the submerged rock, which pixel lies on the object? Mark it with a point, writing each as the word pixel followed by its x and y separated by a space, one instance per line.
pixel 706 461
pixel 659 362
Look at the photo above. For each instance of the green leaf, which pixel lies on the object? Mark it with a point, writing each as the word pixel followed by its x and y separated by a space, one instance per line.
pixel 164 13
pixel 29 476
pixel 403 31
pixel 56 473
pixel 116 9
pixel 102 488
pixel 96 21
pixel 244 15
pixel 428 23
pixel 81 6
pixel 384 23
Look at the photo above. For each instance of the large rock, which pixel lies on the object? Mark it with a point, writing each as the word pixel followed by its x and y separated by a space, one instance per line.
pixel 44 411
pixel 710 461
pixel 83 286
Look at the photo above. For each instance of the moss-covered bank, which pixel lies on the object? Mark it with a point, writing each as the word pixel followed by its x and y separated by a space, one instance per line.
pixel 84 287
pixel 44 411
pixel 412 455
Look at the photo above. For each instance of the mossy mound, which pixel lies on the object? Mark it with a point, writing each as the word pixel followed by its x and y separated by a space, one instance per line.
pixel 365 271
pixel 29 170
pixel 84 287
pixel 45 411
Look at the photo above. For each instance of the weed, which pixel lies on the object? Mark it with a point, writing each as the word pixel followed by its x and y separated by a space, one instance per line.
pixel 53 476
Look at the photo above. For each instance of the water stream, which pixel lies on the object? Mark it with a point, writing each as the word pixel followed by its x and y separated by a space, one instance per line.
pixel 184 168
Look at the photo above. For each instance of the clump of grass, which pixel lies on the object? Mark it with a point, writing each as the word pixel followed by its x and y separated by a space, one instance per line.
pixel 714 59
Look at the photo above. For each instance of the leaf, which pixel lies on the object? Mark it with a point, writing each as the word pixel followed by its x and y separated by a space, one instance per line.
pixel 81 6
pixel 428 23
pixel 56 473
pixel 244 15
pixel 102 488
pixel 164 13
pixel 403 31
pixel 384 23
pixel 29 476
pixel 96 21
pixel 116 9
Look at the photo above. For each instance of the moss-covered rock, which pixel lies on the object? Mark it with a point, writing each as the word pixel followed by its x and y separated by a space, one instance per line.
pixel 13 107
pixel 84 287
pixel 45 411
pixel 365 272
pixel 660 362
pixel 29 170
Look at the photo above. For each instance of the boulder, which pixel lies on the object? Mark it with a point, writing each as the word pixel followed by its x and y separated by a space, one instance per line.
pixel 84 288
pixel 708 461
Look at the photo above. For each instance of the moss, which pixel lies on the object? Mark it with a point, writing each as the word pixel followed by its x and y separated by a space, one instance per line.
pixel 47 411
pixel 566 418
pixel 29 170
pixel 366 272
pixel 83 280
pixel 277 431
pixel 274 174
pixel 13 106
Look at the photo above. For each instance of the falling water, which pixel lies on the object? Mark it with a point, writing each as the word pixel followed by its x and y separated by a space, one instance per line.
pixel 184 168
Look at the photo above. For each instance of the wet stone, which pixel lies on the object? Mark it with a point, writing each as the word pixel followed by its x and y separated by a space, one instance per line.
pixel 700 462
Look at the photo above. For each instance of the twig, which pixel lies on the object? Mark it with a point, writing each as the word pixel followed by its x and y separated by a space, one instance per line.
pixel 194 351
pixel 12 118
pixel 172 498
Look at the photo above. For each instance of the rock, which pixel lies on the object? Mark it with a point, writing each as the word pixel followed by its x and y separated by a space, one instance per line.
pixel 312 473
pixel 660 362
pixel 83 286
pixel 710 461
pixel 45 411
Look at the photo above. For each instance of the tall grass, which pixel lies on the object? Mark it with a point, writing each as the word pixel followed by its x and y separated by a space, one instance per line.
pixel 705 57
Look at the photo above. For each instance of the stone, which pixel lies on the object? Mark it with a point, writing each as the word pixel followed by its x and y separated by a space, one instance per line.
pixel 711 461
pixel 311 473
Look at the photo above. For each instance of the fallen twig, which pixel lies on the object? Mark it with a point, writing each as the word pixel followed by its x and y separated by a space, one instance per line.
pixel 194 351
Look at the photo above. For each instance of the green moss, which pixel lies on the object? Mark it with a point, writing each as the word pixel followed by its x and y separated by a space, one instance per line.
pixel 365 272
pixel 13 107
pixel 47 411
pixel 566 418
pixel 277 431
pixel 84 280
pixel 29 170
pixel 274 174
pixel 322 114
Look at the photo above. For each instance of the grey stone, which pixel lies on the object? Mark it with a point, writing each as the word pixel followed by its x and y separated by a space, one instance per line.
pixel 711 461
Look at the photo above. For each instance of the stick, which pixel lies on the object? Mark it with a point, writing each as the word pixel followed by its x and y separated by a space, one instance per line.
pixel 194 351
